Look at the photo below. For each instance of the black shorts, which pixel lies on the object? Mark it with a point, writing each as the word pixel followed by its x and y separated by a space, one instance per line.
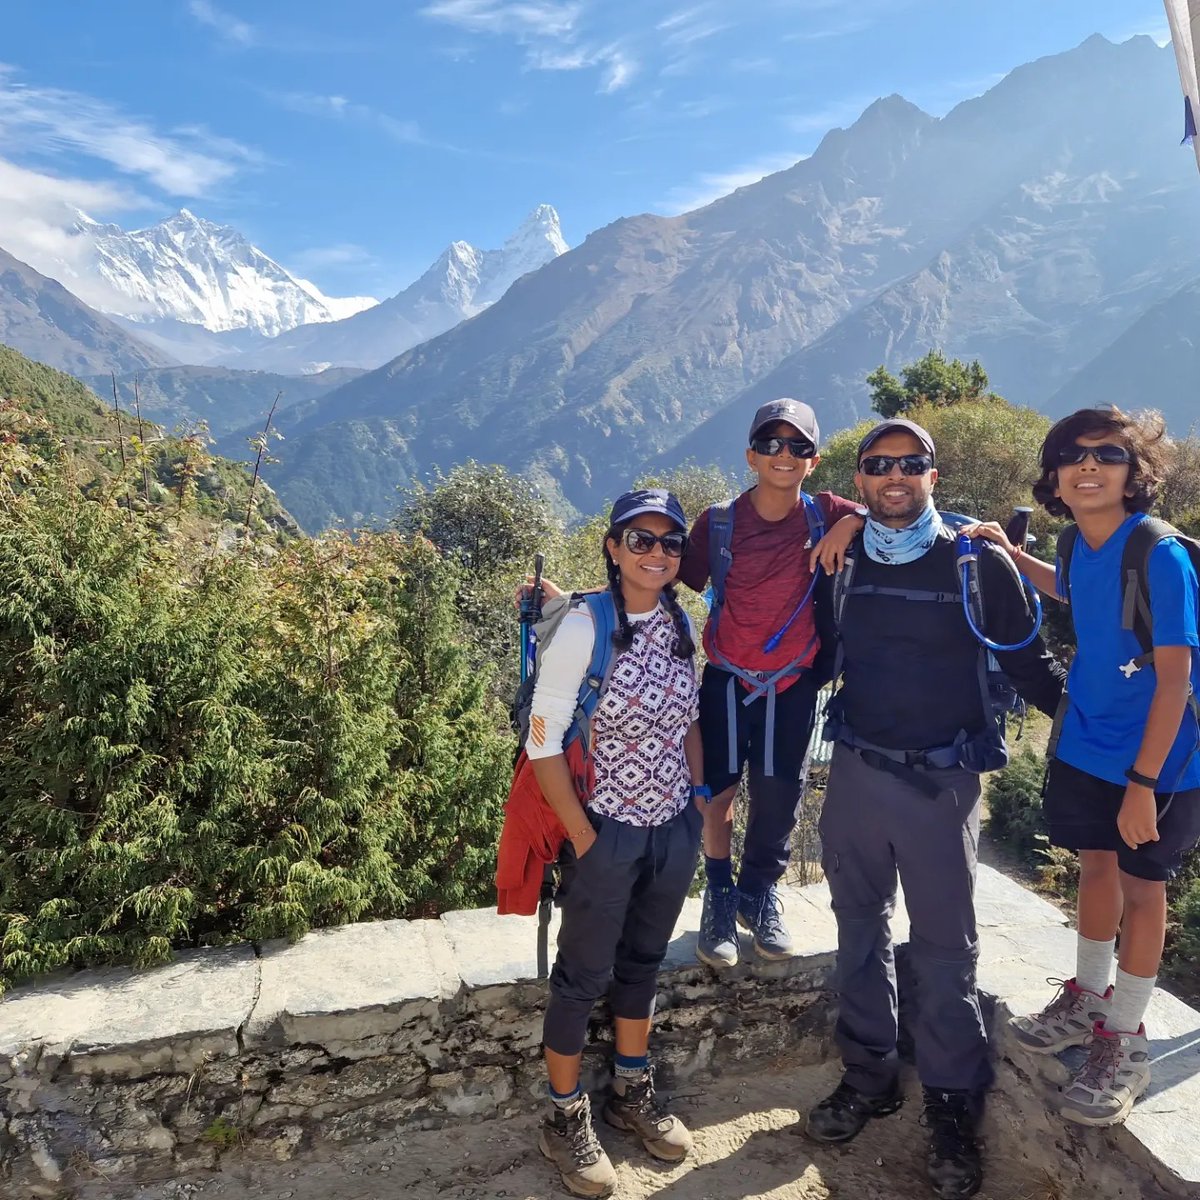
pixel 1081 813
pixel 795 712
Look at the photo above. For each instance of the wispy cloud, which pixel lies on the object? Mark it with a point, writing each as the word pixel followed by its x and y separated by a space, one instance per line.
pixel 551 31
pixel 228 27
pixel 186 161
pixel 709 187
pixel 333 257
pixel 519 18
pixel 38 213
pixel 837 114
pixel 340 108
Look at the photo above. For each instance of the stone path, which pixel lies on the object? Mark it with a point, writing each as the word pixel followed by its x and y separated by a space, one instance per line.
pixel 748 1145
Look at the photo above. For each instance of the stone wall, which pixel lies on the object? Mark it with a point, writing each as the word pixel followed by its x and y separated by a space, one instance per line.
pixel 141 1076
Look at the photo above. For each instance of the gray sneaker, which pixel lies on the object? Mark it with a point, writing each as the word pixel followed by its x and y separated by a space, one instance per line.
pixel 717 944
pixel 570 1143
pixel 1116 1073
pixel 1066 1021
pixel 763 916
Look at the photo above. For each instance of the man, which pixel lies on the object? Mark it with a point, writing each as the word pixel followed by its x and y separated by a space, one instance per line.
pixel 759 690
pixel 910 712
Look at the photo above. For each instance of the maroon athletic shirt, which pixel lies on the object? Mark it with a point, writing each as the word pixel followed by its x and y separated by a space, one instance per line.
pixel 768 577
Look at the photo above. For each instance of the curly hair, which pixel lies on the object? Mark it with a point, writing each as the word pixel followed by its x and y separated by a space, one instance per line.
pixel 1143 434
pixel 625 632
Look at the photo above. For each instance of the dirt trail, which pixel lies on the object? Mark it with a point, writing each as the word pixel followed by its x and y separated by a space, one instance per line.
pixel 747 1138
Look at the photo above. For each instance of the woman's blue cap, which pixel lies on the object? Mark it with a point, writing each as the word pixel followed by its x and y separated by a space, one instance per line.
pixel 648 500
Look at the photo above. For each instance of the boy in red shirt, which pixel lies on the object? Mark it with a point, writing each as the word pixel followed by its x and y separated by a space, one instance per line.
pixel 759 691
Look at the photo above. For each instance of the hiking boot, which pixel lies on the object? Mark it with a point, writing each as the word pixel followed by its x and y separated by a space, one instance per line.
pixel 717 944
pixel 954 1164
pixel 843 1113
pixel 1066 1021
pixel 639 1111
pixel 570 1143
pixel 762 914
pixel 1116 1073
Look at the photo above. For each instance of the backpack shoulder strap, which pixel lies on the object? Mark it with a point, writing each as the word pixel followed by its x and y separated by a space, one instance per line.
pixel 816 519
pixel 604 618
pixel 1135 578
pixel 1064 548
pixel 720 549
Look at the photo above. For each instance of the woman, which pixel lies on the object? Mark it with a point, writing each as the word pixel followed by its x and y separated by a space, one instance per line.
pixel 633 840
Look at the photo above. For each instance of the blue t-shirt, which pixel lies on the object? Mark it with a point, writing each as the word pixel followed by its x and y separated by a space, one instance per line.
pixel 1103 729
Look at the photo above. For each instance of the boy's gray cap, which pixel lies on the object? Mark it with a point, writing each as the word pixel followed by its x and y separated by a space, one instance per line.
pixel 897 425
pixel 794 412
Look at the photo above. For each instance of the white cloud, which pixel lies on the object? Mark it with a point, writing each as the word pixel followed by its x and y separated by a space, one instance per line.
pixel 232 29
pixel 188 161
pixel 618 72
pixel 550 31
pixel 521 18
pixel 407 132
pixel 838 114
pixel 340 254
pixel 710 187
pixel 37 214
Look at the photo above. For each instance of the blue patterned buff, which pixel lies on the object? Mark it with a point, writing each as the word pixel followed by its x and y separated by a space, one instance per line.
pixel 886 545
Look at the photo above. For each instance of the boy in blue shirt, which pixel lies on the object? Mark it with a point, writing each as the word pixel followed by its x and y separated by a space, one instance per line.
pixel 1123 789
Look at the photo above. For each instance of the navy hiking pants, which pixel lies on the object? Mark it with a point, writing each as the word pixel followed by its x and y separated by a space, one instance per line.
pixel 874 828
pixel 619 902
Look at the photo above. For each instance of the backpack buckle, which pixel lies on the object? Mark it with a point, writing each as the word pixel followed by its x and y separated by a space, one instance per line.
pixel 1130 668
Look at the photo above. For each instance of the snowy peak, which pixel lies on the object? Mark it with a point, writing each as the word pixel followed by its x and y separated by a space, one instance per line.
pixel 536 241
pixel 192 270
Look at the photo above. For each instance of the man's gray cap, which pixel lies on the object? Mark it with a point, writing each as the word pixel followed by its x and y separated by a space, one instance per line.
pixel 794 412
pixel 897 425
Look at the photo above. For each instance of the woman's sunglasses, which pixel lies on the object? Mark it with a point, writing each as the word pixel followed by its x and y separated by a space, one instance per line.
pixel 772 446
pixel 910 464
pixel 1108 455
pixel 642 541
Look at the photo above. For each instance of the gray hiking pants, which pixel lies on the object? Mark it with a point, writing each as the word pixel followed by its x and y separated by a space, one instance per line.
pixel 619 906
pixel 873 827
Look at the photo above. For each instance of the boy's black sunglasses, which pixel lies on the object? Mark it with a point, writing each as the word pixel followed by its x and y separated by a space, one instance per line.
pixel 772 446
pixel 910 464
pixel 1108 454
pixel 642 541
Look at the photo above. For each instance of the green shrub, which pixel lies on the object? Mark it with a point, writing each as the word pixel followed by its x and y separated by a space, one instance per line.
pixel 1014 801
pixel 199 748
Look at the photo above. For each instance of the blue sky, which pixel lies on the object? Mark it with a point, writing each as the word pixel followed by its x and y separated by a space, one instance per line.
pixel 353 140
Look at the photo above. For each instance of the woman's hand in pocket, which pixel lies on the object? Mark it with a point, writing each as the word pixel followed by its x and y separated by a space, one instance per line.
pixel 582 842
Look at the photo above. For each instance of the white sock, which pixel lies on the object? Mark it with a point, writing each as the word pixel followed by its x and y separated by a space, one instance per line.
pixel 1131 998
pixel 1094 964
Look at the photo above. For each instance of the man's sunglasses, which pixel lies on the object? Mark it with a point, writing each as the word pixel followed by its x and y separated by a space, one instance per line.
pixel 642 541
pixel 1108 455
pixel 772 446
pixel 910 464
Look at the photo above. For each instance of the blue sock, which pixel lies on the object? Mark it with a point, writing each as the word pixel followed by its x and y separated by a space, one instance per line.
pixel 563 1099
pixel 719 871
pixel 627 1069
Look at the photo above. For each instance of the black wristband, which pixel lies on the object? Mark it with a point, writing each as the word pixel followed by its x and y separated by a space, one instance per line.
pixel 1141 780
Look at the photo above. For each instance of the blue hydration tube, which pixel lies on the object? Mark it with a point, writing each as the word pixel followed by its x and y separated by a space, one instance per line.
pixel 773 641
pixel 967 553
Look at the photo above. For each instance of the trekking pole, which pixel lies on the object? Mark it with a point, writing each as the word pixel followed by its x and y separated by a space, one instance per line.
pixel 530 614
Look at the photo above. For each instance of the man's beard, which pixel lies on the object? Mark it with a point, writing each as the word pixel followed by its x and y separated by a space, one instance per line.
pixel 914 507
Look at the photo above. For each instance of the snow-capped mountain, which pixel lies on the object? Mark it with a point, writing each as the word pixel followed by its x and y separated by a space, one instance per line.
pixel 193 271
pixel 461 283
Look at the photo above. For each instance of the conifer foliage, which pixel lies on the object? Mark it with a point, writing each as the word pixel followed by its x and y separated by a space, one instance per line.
pixel 201 747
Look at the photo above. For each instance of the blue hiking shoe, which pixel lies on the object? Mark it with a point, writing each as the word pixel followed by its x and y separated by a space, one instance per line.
pixel 717 945
pixel 763 916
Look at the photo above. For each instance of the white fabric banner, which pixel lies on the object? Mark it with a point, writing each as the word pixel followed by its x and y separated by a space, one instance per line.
pixel 1184 18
